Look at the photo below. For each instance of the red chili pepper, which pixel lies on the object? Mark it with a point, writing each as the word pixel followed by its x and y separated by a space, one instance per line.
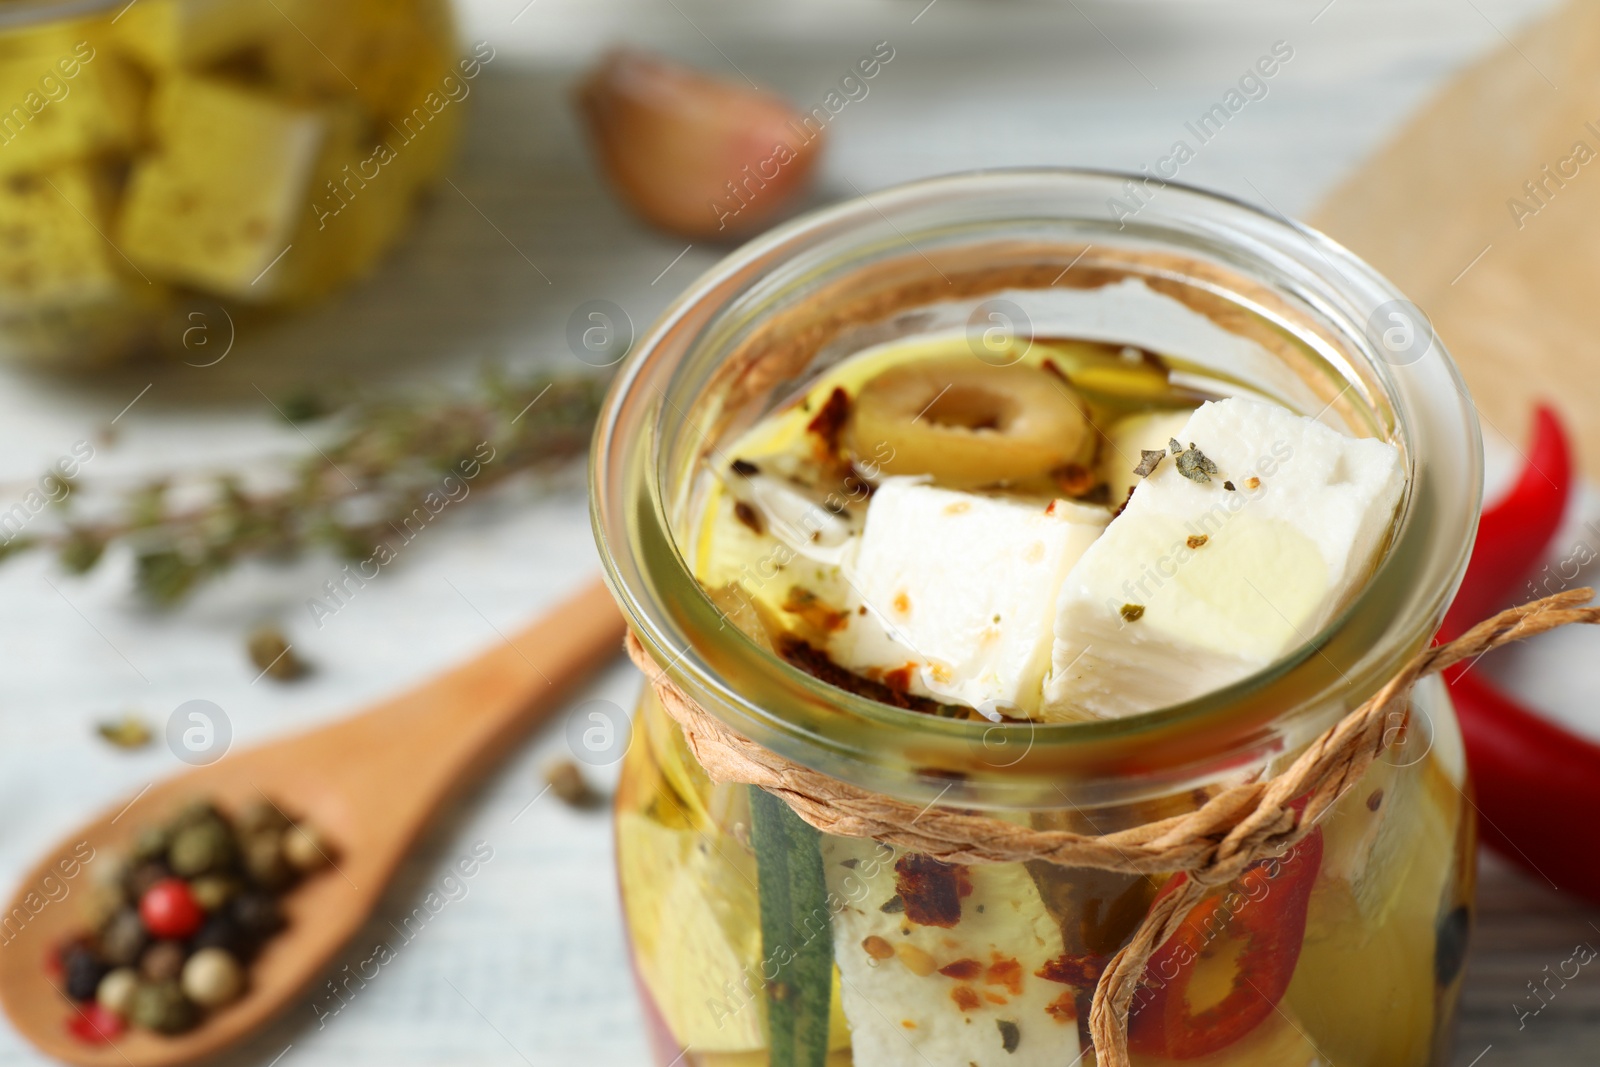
pixel 1527 771
pixel 1266 910
pixel 1526 768
pixel 1514 534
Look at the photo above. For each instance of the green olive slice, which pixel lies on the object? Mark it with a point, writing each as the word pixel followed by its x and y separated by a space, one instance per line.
pixel 968 424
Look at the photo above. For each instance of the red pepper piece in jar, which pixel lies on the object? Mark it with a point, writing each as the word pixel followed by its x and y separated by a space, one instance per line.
pixel 94 1024
pixel 170 911
pixel 1186 1007
pixel 1515 532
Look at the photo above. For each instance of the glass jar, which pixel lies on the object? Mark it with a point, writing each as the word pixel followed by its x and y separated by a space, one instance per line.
pixel 1362 943
pixel 159 157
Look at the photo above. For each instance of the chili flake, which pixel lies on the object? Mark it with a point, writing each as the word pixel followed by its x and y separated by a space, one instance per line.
pixel 1005 971
pixel 962 969
pixel 1196 540
pixel 965 998
pixel 932 890
pixel 1080 972
pixel 1064 1009
pixel 1252 483
pixel 829 422
pixel 811 609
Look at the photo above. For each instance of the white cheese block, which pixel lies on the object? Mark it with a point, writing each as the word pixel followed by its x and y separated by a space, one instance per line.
pixel 903 1012
pixel 1127 439
pixel 961 588
pixel 1145 620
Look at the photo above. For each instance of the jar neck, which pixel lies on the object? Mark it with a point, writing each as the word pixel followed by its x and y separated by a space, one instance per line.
pixel 1290 313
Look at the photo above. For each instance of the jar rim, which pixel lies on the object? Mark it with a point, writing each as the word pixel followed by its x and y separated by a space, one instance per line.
pixel 1240 722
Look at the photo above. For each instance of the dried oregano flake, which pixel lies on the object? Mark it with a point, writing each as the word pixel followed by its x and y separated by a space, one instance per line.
pixel 1193 464
pixel 1148 462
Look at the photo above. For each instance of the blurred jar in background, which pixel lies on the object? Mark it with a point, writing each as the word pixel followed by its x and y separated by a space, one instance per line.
pixel 164 155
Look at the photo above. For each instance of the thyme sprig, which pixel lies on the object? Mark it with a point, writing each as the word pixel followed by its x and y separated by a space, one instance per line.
pixel 381 461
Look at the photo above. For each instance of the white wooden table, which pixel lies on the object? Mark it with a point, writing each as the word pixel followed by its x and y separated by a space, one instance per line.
pixel 530 965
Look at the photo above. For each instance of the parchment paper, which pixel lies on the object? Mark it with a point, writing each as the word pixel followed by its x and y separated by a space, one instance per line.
pixel 1485 210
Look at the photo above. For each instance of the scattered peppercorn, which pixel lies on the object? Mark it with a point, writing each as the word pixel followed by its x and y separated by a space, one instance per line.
pixel 123 937
pixel 199 849
pixel 257 914
pixel 261 816
pixel 214 890
pixel 162 961
pixel 168 909
pixel 1229 487
pixel 304 848
pixel 1131 612
pixel 273 655
pixel 115 991
pixel 1010 1034
pixel 223 931
pixel 82 970
pixel 162 1007
pixel 263 860
pixel 95 1024
pixel 130 731
pixel 567 782
pixel 1148 462
pixel 212 978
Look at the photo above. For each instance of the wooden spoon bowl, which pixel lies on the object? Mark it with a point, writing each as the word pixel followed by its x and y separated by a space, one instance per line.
pixel 369 784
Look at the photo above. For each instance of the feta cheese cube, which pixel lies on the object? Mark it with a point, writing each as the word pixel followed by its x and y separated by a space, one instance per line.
pixel 960 588
pixel 1194 587
pixel 906 1010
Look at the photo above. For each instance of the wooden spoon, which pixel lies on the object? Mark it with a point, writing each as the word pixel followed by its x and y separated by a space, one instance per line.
pixel 369 783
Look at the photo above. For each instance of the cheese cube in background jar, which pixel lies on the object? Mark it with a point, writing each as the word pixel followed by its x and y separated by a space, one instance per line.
pixel 64 291
pixel 219 202
pixel 1083 582
pixel 256 152
pixel 168 35
pixel 65 98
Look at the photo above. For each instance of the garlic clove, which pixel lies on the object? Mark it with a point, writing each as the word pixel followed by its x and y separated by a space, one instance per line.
pixel 692 154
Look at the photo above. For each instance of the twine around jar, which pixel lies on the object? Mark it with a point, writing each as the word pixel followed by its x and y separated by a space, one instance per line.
pixel 1211 846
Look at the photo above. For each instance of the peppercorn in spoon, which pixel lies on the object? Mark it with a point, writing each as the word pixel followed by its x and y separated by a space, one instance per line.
pixel 368 784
